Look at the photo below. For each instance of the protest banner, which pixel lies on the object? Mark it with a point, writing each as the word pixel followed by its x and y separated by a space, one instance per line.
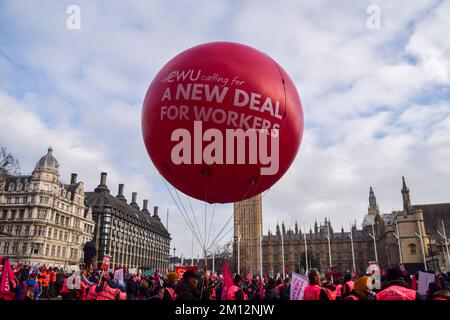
pixel 298 285
pixel 148 272
pixel 375 274
pixel 118 275
pixel 105 262
pixel 181 270
pixel 425 279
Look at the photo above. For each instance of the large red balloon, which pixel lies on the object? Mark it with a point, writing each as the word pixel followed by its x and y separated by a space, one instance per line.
pixel 223 86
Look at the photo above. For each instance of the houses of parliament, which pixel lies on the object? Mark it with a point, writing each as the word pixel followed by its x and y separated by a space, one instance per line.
pixel 413 237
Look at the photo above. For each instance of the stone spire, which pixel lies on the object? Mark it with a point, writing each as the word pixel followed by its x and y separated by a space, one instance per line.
pixel 373 206
pixel 405 196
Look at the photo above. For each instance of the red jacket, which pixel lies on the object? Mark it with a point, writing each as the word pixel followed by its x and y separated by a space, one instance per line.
pixel 231 293
pixel 352 297
pixel 348 287
pixel 108 293
pixel 395 292
pixel 92 294
pixel 331 294
pixel 53 276
pixel 312 292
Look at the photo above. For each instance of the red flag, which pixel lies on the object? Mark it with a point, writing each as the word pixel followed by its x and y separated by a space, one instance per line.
pixel 249 279
pixel 157 280
pixel 6 280
pixel 414 283
pixel 355 275
pixel 227 280
pixel 261 289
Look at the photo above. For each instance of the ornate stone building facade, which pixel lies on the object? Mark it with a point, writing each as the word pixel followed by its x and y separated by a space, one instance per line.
pixel 42 219
pixel 248 232
pixel 386 248
pixel 134 238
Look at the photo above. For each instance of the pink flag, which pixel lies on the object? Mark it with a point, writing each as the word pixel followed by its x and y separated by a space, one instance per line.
pixel 227 280
pixel 7 277
pixel 249 279
pixel 355 274
pixel 157 280
pixel 261 289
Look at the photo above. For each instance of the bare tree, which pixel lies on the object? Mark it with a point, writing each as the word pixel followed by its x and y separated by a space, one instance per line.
pixel 8 163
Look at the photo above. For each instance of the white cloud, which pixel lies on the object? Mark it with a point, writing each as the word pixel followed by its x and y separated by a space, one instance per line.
pixel 372 109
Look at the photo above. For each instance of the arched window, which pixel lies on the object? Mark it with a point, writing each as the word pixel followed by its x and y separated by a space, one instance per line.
pixel 412 248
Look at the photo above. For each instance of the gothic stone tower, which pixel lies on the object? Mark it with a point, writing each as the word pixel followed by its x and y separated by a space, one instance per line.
pixel 248 229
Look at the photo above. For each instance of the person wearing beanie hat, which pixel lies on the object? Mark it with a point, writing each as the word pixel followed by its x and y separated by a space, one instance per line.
pixel 169 290
pixel 361 289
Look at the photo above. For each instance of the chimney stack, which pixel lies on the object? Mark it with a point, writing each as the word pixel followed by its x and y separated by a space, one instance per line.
pixel 133 200
pixel 102 186
pixel 155 213
pixel 120 195
pixel 145 206
pixel 103 179
pixel 73 178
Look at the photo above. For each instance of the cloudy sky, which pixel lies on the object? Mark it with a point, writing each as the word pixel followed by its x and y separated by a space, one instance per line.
pixel 376 100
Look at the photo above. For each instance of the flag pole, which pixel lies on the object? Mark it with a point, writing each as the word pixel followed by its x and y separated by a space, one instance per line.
pixel 239 251
pixel 374 241
pixel 397 235
pixel 421 243
pixel 444 235
pixel 329 244
pixel 306 250
pixel 282 253
pixel 261 256
pixel 353 251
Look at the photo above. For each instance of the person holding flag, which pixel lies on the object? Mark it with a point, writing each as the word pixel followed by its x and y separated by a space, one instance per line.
pixel 235 292
pixel 227 281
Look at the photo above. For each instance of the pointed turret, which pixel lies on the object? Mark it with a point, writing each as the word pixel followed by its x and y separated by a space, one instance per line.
pixel 373 206
pixel 406 197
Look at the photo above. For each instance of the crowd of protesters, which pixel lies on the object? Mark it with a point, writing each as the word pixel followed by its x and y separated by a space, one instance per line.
pixel 33 283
